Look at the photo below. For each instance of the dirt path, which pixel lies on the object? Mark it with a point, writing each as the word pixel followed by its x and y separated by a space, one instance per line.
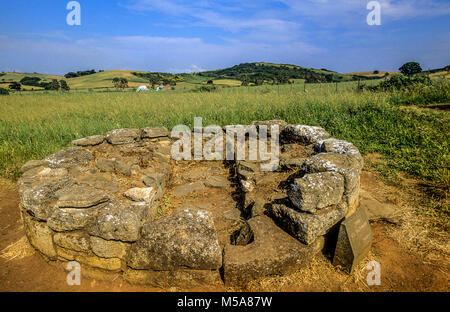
pixel 22 269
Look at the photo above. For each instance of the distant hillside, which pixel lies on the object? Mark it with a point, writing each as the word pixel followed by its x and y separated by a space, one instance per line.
pixel 269 72
pixel 103 80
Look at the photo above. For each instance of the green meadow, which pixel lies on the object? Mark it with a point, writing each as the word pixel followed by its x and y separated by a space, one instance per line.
pixel 412 140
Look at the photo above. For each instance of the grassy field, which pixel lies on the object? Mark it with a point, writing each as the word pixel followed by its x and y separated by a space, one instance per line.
pixel 412 140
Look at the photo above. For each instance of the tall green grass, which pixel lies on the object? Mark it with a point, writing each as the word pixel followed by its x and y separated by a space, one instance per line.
pixel 413 141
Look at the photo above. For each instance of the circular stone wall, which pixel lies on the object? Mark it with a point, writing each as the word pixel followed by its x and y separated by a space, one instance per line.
pixel 119 204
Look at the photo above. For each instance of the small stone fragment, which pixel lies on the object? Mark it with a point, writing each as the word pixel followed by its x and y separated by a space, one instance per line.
pixel 90 141
pixel 141 194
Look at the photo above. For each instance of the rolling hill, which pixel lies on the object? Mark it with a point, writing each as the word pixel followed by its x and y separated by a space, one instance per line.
pixel 253 73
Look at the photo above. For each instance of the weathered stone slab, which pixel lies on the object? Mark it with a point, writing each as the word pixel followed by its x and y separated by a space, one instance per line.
pixel 125 165
pixel 354 241
pixel 115 222
pixel 156 132
pixel 217 182
pixel 38 199
pixel 304 226
pixel 103 181
pixel 33 164
pixel 123 136
pixel 70 219
pixel 317 191
pixel 303 134
pixel 108 249
pixel 339 147
pixel 186 239
pixel 80 196
pixel 272 252
pixel 105 165
pixel 73 156
pixel 77 241
pixel 39 235
pixel 186 189
pixel 90 141
pixel 109 264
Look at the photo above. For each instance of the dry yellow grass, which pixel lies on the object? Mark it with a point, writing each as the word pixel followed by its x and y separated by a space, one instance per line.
pixel 17 250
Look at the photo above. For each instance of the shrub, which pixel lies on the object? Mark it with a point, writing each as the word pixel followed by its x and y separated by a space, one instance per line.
pixel 4 91
pixel 30 81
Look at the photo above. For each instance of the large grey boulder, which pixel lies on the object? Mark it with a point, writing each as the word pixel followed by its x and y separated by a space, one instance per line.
pixel 317 191
pixel 304 134
pixel 73 156
pixel 346 165
pixel 186 239
pixel 304 226
pixel 123 136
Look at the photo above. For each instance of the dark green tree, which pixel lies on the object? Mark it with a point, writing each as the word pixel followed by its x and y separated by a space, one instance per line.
pixel 120 83
pixel 245 80
pixel 15 86
pixel 410 69
pixel 54 85
pixel 64 86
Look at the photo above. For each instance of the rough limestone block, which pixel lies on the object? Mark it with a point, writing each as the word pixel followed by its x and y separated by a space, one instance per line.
pixel 340 147
pixel 304 134
pixel 39 235
pixel 115 222
pixel 80 196
pixel 108 249
pixel 76 241
pixel 123 136
pixel 186 239
pixel 73 156
pixel 304 226
pixel 90 141
pixel 156 132
pixel 70 219
pixel 272 252
pixel 317 191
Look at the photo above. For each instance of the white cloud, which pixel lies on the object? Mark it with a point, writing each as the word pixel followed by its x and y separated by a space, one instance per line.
pixel 343 11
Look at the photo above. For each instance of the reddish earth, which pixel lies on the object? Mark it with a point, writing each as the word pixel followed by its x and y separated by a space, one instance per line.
pixel 402 270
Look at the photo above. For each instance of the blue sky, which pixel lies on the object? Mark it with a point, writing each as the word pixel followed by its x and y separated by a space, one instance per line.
pixel 184 36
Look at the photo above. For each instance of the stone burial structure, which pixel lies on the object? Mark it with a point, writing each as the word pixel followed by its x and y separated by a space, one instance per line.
pixel 120 205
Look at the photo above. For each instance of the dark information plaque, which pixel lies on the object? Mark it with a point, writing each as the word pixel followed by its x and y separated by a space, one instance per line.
pixel 354 241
